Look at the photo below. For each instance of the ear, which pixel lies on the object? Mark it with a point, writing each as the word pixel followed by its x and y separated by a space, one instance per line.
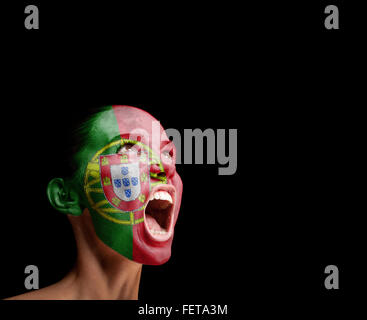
pixel 63 198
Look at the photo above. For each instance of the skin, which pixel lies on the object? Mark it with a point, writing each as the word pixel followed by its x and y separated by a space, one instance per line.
pixel 99 272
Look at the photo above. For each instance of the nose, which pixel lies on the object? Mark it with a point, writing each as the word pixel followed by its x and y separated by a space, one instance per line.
pixel 154 168
pixel 156 174
pixel 169 169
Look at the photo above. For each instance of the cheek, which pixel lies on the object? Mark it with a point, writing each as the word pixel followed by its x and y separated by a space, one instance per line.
pixel 169 168
pixel 177 183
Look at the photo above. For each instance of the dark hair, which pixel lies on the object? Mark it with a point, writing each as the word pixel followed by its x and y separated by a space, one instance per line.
pixel 66 136
pixel 79 134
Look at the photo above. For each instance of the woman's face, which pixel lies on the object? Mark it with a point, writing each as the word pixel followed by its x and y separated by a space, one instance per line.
pixel 131 187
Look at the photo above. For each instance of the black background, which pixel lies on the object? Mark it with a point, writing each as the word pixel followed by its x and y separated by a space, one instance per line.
pixel 291 88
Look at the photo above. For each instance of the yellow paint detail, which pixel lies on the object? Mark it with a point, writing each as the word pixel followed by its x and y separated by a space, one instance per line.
pixel 93 167
pixel 157 183
pixel 124 158
pixel 92 170
pixel 137 221
pixel 104 161
pixel 111 210
pixel 92 182
pixel 96 190
pixel 143 177
pixel 94 174
pixel 106 181
pixel 116 201
pixel 142 198
pixel 100 204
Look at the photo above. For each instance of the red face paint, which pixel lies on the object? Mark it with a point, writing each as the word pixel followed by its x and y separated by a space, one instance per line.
pixel 152 239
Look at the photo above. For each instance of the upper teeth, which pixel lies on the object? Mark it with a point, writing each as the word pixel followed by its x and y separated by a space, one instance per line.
pixel 161 195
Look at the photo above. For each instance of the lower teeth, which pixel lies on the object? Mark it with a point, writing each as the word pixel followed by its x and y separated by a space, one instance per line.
pixel 158 232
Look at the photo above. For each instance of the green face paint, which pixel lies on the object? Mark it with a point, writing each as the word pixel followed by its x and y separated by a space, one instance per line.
pixel 132 193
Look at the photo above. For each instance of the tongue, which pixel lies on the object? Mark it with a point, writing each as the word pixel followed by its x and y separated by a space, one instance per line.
pixel 152 223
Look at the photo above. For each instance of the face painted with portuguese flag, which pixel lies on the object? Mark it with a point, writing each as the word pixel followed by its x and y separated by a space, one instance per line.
pixel 131 187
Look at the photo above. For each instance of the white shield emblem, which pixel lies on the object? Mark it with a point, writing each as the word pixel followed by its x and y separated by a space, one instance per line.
pixel 125 180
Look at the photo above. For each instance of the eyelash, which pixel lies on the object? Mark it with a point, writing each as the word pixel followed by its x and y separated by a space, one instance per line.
pixel 168 153
pixel 130 145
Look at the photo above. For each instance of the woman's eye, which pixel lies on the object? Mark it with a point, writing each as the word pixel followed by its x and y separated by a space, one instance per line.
pixel 127 147
pixel 167 154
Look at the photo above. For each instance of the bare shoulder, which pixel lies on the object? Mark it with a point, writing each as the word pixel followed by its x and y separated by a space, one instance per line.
pixel 53 292
pixel 32 295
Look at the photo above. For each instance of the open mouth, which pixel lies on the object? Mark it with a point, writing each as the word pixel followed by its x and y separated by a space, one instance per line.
pixel 159 213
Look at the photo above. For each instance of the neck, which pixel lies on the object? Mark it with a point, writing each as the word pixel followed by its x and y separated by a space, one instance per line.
pixel 100 272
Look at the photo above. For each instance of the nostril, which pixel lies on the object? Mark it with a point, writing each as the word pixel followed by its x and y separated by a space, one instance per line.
pixel 155 168
pixel 159 176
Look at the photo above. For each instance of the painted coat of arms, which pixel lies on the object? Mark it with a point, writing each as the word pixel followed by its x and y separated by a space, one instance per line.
pixel 125 179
